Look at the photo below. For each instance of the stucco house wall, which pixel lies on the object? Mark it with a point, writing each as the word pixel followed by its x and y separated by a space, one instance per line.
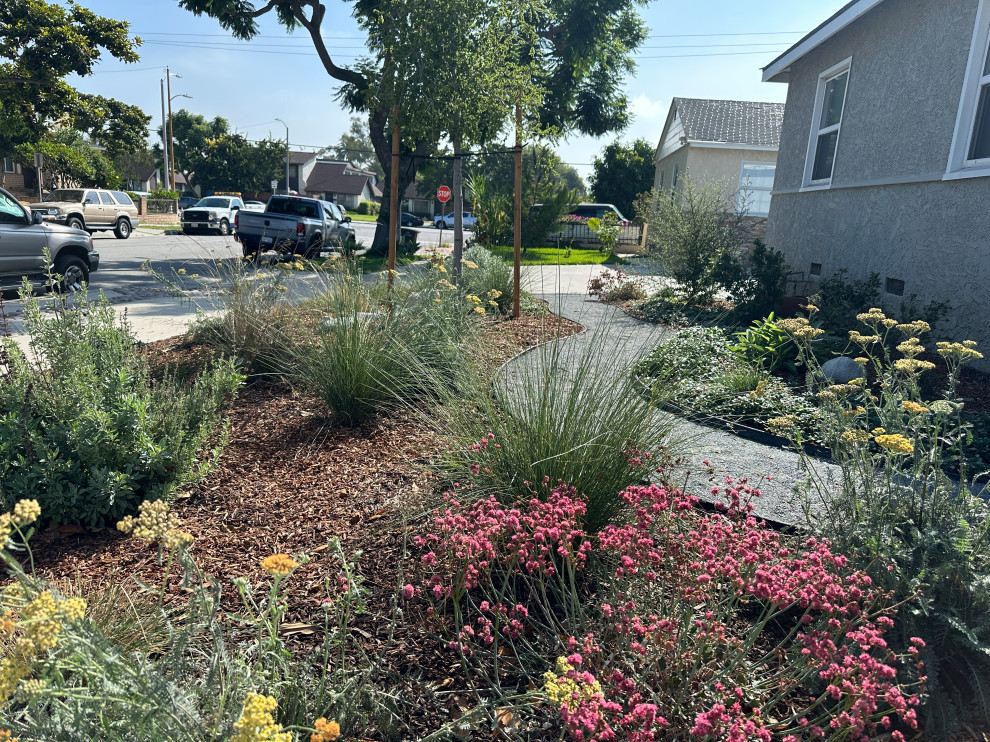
pixel 666 166
pixel 718 164
pixel 887 209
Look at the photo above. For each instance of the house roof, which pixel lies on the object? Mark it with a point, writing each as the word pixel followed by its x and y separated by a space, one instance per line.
pixel 331 177
pixel 731 121
pixel 301 158
pixel 779 69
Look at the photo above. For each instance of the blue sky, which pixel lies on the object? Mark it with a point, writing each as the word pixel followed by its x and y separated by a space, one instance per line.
pixel 701 49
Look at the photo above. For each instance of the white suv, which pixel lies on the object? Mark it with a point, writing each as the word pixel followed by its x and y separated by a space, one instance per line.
pixel 447 220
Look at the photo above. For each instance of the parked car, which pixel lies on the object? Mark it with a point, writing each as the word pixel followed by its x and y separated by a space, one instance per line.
pixel 290 224
pixel 447 221
pixel 254 205
pixel 342 232
pixel 410 220
pixel 25 235
pixel 211 214
pixel 91 209
pixel 597 211
pixel 187 201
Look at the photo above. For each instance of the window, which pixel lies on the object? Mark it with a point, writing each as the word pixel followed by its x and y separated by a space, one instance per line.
pixel 673 181
pixel 11 212
pixel 830 102
pixel 8 165
pixel 970 154
pixel 91 198
pixel 105 198
pixel 660 181
pixel 755 188
pixel 122 198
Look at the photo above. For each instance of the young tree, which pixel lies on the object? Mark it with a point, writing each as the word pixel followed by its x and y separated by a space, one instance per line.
pixel 694 232
pixel 229 162
pixel 622 173
pixel 41 43
pixel 583 52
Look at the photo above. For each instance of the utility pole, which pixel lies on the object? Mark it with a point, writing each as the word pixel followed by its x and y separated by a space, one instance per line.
pixel 166 170
pixel 393 201
pixel 286 155
pixel 171 140
pixel 517 217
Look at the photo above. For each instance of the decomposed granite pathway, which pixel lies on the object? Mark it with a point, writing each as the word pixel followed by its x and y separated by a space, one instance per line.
pixel 621 340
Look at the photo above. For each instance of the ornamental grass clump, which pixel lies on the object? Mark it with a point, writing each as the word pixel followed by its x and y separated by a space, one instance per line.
pixel 560 413
pixel 671 624
pixel 919 534
pixel 86 428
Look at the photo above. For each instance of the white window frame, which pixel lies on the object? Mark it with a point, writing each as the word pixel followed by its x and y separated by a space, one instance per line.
pixel 746 187
pixel 960 166
pixel 13 165
pixel 845 66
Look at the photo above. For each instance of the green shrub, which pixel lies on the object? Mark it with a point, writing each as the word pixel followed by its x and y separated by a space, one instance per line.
pixel 84 427
pixel 664 308
pixel 839 300
pixel 368 208
pixel 692 232
pixel 558 414
pixel 164 194
pixel 491 281
pixel 689 354
pixel 764 344
pixel 756 281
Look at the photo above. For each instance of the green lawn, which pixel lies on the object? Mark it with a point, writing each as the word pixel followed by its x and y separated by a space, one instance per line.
pixel 553 256
pixel 362 217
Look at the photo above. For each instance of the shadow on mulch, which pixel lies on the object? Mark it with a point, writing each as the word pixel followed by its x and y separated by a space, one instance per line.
pixel 288 482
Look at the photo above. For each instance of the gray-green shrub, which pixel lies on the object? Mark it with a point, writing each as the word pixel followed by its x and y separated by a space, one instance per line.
pixel 86 430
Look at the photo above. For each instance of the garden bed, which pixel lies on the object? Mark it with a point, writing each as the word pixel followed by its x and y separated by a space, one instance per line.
pixel 288 482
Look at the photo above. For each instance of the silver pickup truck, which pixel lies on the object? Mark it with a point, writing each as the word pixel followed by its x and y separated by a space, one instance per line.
pixel 24 237
pixel 290 224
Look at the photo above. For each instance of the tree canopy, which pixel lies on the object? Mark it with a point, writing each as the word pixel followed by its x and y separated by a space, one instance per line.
pixel 576 54
pixel 622 173
pixel 41 43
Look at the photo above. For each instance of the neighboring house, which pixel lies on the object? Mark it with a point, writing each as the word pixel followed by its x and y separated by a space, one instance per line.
pixel 884 162
pixel 142 178
pixel 183 187
pixel 13 178
pixel 734 142
pixel 301 165
pixel 421 204
pixel 341 183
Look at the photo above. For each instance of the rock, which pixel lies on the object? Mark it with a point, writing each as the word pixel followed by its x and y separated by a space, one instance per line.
pixel 842 370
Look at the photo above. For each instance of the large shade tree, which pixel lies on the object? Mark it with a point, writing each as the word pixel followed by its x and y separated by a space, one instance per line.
pixel 579 57
pixel 622 173
pixel 191 132
pixel 42 43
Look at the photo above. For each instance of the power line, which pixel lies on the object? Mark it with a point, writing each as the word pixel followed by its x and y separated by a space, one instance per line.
pixel 358 38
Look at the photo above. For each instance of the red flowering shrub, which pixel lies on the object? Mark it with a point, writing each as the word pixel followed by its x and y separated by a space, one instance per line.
pixel 716 627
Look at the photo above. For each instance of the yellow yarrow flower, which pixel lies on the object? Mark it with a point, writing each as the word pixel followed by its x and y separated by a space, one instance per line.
pixel 153 522
pixel 479 310
pixel 326 731
pixel 863 340
pixel 782 425
pixel 912 329
pixel 181 271
pixel 855 436
pixel 469 264
pixel 257 724
pixel 878 431
pixel 896 443
pixel 800 328
pixel 473 299
pixel 279 564
pixel 913 407
pixel 911 347
pixel 565 691
pixel 913 365
pixel 26 512
pixel 494 294
pixel 963 351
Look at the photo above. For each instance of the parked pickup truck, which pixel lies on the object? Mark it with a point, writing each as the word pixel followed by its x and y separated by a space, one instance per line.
pixel 24 238
pixel 289 224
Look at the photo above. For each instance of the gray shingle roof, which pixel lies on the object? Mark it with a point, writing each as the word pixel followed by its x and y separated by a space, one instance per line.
pixel 731 121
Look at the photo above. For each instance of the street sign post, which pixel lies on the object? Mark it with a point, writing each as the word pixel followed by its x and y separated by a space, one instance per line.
pixel 274 185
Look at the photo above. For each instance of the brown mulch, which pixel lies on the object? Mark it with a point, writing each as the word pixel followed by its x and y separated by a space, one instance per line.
pixel 287 482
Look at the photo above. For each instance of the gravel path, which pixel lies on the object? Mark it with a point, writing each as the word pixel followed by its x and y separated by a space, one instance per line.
pixel 624 339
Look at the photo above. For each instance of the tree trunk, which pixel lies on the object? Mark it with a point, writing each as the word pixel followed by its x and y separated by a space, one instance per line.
pixel 458 189
pixel 381 139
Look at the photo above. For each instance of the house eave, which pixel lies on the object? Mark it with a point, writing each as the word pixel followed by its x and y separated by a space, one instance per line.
pixel 732 145
pixel 779 69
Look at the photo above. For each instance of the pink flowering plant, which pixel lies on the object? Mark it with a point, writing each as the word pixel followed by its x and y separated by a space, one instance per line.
pixel 669 623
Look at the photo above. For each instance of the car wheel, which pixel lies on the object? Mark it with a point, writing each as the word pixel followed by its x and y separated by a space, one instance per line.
pixel 123 229
pixel 76 222
pixel 224 227
pixel 73 271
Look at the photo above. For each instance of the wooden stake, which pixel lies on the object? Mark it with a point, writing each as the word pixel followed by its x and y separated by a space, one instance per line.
pixel 393 205
pixel 517 219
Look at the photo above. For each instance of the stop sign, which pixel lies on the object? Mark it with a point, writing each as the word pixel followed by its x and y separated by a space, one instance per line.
pixel 443 194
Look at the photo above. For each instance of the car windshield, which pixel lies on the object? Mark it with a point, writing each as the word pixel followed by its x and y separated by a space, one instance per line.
pixel 293 207
pixel 222 203
pixel 64 195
